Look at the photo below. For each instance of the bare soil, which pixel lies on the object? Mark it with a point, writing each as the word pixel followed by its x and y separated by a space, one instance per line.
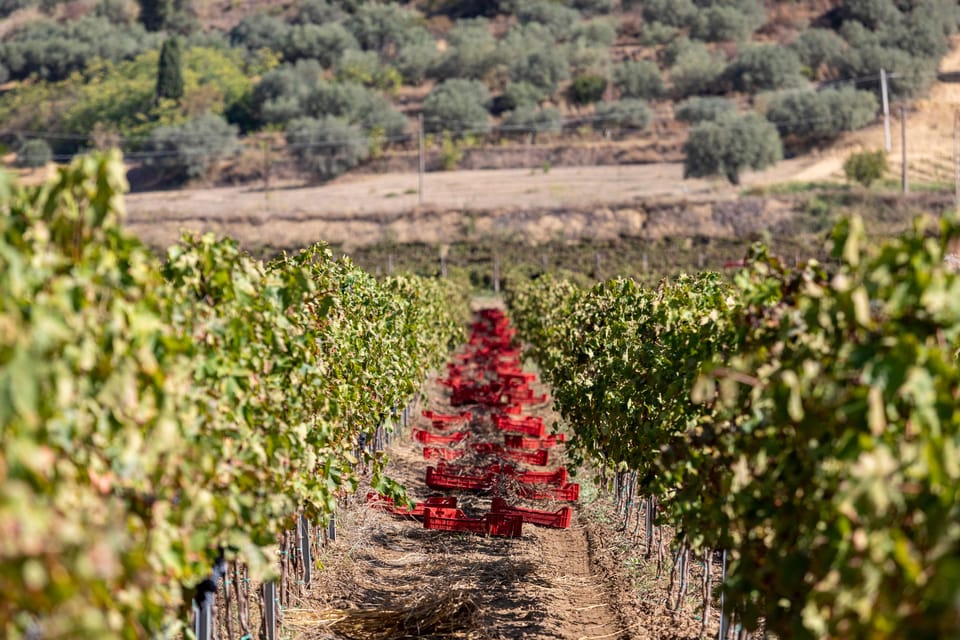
pixel 545 584
pixel 587 582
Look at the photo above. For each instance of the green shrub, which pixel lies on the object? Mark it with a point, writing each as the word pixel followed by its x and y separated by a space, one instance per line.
pixel 865 167
pixel 188 151
pixel 458 106
pixel 623 114
pixel 529 120
pixel 517 94
pixel 471 51
pixel 53 51
pixel 600 32
pixel 544 67
pixel 325 43
pixel 415 60
pixel 554 15
pixel 872 13
pixel 116 11
pixel 638 79
pixel 818 47
pixel 326 147
pixel 922 32
pixel 261 31
pixel 730 145
pixel 810 117
pixel 587 89
pixel 357 105
pixel 765 67
pixel 696 110
pixel 583 57
pixel 382 27
pixel 282 93
pixel 34 153
pixel 361 67
pixel 319 12
pixel 4 74
pixel 697 71
pixel 594 7
pixel 450 152
pixel 657 33
pixel 674 13
pixel 720 23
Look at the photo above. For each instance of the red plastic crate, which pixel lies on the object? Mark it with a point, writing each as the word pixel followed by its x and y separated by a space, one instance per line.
pixel 437 479
pixel 559 519
pixel 557 478
pixel 530 428
pixel 378 501
pixel 425 437
pixel 519 442
pixel 568 492
pixel 507 525
pixel 450 418
pixel 493 524
pixel 530 400
pixel 538 457
pixel 535 421
pixel 442 453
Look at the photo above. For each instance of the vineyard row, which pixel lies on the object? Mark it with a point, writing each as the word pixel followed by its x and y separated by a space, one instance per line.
pixel 162 417
pixel 802 420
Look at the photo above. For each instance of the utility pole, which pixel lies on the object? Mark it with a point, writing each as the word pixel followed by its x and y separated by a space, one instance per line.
pixel 886 109
pixel 956 159
pixel 422 164
pixel 903 149
pixel 265 145
pixel 496 273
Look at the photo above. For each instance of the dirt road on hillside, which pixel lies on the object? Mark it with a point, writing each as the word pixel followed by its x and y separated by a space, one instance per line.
pixel 358 210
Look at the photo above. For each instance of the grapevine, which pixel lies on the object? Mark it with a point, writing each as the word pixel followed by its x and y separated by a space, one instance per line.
pixel 805 420
pixel 156 415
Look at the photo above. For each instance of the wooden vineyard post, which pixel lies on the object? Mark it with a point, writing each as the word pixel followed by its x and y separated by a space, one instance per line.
pixel 305 549
pixel 269 596
pixel 724 618
pixel 649 525
pixel 202 618
pixel 332 528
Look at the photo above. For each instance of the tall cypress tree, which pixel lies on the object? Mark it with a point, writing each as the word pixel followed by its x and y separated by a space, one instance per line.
pixel 170 71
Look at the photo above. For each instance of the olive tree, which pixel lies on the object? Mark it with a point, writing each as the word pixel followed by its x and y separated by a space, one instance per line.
pixel 809 116
pixel 623 114
pixel 697 70
pixel 458 106
pixel 189 150
pixel 729 145
pixel 700 109
pixel 763 68
pixel 326 147
pixel 638 79
pixel 531 121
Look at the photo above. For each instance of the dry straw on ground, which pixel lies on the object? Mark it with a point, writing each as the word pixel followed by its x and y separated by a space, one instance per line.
pixel 437 613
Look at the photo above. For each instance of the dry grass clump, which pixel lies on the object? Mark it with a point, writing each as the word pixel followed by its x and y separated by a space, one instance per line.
pixel 437 613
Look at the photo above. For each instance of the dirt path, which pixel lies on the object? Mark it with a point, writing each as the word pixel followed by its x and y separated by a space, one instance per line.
pixel 542 585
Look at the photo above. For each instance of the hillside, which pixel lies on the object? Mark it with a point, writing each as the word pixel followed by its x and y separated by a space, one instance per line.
pixel 313 89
